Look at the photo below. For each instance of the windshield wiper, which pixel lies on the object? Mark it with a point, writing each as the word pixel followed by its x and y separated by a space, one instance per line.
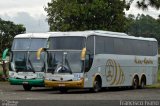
pixel 32 68
pixel 66 61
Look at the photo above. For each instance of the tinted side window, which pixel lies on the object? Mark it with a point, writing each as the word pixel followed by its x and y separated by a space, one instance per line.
pixel 135 47
pixel 109 45
pixel 90 44
pixel 119 46
pixel 145 48
pixel 100 45
pixel 128 47
pixel 104 45
pixel 155 48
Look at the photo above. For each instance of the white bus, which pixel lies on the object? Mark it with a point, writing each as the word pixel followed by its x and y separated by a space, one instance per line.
pixel 24 67
pixel 96 59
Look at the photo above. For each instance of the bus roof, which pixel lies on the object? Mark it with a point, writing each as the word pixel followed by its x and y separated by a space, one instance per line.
pixel 99 33
pixel 33 35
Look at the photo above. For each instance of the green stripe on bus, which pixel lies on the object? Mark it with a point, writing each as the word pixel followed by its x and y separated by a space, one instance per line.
pixel 32 82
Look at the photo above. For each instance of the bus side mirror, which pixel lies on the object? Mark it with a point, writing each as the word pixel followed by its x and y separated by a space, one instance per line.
pixel 87 62
pixel 38 54
pixel 4 55
pixel 83 54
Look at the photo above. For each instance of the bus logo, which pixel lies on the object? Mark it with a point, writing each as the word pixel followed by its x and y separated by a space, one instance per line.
pixel 61 79
pixel 114 73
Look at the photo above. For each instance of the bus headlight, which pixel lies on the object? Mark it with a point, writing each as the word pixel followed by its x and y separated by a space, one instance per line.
pixel 78 76
pixel 11 75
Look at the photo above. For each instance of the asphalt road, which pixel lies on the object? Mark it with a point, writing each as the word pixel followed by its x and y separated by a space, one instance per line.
pixel 14 92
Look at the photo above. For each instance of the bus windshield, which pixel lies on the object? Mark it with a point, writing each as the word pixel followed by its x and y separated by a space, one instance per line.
pixel 67 43
pixel 20 62
pixel 64 62
pixel 65 57
pixel 34 64
pixel 21 44
pixel 28 44
pixel 24 54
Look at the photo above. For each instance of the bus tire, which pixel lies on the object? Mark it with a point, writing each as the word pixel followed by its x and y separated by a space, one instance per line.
pixel 27 87
pixel 135 83
pixel 63 90
pixel 143 82
pixel 97 84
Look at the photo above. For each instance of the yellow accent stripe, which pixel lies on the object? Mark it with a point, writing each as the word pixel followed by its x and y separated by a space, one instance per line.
pixel 66 84
pixel 120 75
pixel 115 73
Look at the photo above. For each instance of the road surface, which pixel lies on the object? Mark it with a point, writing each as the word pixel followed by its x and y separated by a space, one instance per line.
pixel 14 92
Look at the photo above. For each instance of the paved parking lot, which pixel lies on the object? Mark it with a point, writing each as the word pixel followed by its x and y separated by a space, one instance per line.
pixel 13 92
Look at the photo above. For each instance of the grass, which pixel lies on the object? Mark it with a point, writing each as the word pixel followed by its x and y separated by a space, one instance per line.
pixel 154 86
pixel 1 73
pixel 157 85
pixel 159 74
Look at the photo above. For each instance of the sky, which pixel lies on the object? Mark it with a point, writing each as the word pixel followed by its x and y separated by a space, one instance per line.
pixel 150 11
pixel 31 13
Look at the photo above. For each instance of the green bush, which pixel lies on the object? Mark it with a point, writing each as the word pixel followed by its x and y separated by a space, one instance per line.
pixel 159 74
pixel 1 73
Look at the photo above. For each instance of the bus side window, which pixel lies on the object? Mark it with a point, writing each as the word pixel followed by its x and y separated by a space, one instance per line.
pixel 90 53
pixel 88 62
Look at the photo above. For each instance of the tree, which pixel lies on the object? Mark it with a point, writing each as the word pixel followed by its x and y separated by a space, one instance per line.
pixel 7 32
pixel 72 15
pixel 144 26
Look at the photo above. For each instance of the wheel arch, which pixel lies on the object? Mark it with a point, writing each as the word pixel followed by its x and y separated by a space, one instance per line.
pixel 97 75
pixel 143 76
pixel 135 75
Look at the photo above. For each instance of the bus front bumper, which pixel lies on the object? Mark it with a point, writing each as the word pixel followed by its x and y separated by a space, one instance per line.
pixel 32 82
pixel 65 84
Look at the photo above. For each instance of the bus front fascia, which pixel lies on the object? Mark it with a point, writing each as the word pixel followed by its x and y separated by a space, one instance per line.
pixel 68 84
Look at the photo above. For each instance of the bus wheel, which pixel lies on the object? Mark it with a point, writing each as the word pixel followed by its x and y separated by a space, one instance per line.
pixel 143 83
pixel 63 90
pixel 135 83
pixel 27 87
pixel 97 84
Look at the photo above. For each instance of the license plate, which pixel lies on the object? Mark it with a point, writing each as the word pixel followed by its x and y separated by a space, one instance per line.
pixel 61 85
pixel 25 82
pixel 23 74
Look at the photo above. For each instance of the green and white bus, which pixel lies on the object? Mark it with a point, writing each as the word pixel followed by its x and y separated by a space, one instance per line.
pixel 96 59
pixel 24 67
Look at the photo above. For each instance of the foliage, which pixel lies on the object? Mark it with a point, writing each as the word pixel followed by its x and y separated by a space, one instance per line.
pixel 7 32
pixel 145 26
pixel 67 15
pixel 72 15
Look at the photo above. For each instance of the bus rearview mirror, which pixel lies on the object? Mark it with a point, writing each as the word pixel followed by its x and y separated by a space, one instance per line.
pixel 40 50
pixel 83 54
